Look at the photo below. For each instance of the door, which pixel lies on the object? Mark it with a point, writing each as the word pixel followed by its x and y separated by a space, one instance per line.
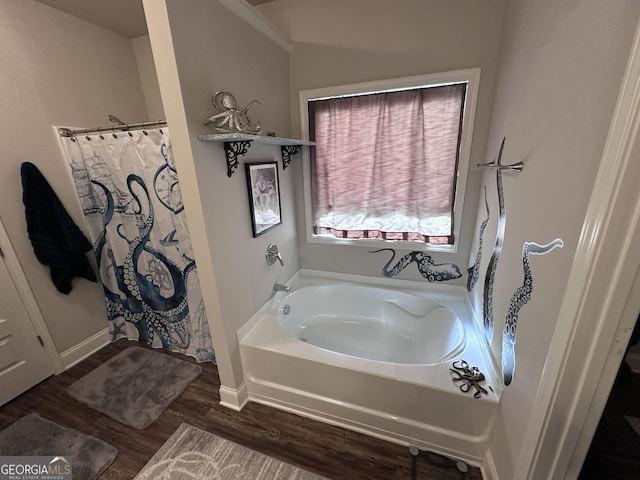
pixel 23 359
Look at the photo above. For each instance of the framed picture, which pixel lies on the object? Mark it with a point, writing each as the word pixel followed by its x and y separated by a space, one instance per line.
pixel 264 196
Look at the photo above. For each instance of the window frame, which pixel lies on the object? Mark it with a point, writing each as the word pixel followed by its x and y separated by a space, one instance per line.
pixel 469 76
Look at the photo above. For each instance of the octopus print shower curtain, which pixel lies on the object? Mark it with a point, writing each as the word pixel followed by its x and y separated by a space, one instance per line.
pixel 128 188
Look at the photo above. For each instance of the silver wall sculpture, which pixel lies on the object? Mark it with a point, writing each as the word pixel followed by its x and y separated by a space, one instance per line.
pixel 474 270
pixel 487 304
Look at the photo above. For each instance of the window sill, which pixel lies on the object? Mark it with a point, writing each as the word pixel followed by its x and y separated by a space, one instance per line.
pixel 372 243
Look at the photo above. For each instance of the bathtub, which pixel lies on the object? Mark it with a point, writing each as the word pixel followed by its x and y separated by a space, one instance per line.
pixel 350 351
pixel 373 323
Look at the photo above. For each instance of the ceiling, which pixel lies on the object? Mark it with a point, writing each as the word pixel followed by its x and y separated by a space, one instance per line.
pixel 125 17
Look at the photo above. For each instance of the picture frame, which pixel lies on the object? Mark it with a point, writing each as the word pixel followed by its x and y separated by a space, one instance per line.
pixel 263 186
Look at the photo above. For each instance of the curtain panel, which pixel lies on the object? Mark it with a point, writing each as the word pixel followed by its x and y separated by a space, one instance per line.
pixel 385 164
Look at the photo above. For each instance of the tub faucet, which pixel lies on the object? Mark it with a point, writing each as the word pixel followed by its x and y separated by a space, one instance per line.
pixel 280 287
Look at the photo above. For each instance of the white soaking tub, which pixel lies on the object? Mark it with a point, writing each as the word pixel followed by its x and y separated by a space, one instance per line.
pixel 373 359
pixel 373 323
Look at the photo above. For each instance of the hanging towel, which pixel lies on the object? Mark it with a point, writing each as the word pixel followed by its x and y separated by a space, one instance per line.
pixel 56 239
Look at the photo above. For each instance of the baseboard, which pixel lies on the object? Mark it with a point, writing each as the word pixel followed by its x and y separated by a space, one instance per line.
pixel 488 468
pixel 82 350
pixel 633 359
pixel 232 398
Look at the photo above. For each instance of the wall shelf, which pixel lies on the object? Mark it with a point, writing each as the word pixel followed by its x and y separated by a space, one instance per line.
pixel 237 144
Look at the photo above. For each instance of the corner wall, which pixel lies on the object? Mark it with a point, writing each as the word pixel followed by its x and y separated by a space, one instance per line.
pixel 57 70
pixel 561 65
pixel 148 77
pixel 338 43
pixel 200 47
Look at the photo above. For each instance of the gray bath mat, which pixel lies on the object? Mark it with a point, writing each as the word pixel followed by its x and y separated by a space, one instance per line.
pixel 193 453
pixel 135 386
pixel 35 436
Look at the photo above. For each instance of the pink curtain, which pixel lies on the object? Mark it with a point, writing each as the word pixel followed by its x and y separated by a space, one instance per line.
pixel 385 164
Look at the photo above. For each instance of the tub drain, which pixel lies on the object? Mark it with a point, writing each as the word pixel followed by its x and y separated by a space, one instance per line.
pixel 286 309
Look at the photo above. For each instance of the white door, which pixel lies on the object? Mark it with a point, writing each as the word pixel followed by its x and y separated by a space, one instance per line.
pixel 23 359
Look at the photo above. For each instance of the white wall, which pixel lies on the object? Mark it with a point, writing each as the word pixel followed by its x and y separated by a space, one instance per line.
pixel 561 65
pixel 337 43
pixel 57 70
pixel 148 77
pixel 200 47
pixel 560 69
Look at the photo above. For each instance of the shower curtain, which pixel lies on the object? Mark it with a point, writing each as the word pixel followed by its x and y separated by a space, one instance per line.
pixel 130 195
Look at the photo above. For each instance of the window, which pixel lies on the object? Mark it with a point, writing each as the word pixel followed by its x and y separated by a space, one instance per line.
pixel 390 159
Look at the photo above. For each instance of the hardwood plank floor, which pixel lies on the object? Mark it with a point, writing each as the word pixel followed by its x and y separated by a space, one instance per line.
pixel 330 451
pixel 615 448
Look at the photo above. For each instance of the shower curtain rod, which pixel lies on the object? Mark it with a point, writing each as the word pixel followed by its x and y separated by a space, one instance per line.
pixel 68 132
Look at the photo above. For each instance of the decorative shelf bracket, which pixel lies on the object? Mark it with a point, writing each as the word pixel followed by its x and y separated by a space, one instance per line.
pixel 237 145
pixel 233 150
pixel 289 151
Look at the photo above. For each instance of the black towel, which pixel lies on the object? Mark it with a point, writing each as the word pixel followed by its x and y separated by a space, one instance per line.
pixel 56 239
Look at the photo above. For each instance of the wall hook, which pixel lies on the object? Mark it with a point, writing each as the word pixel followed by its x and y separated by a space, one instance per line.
pixel 497 164
pixel 114 119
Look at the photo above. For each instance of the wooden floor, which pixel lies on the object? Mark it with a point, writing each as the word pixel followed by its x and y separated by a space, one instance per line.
pixel 615 449
pixel 326 450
